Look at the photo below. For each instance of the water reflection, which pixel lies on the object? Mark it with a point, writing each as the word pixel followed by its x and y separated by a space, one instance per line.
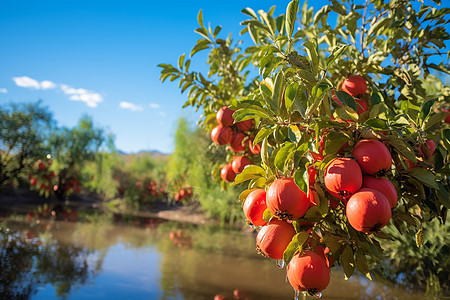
pixel 123 257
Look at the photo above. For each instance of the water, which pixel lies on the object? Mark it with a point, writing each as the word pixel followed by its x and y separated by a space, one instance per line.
pixel 112 257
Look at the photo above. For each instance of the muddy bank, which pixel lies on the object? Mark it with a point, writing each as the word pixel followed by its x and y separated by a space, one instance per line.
pixel 23 201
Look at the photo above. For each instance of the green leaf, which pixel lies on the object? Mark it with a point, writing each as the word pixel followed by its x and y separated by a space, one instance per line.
pixel 216 31
pixel 404 149
pixel 333 242
pixel 347 262
pixel 291 15
pixel 181 61
pixel 443 195
pixel 335 141
pixel 311 49
pixel 376 98
pixel 419 238
pixel 445 133
pixel 248 173
pixel 424 176
pixel 267 215
pixel 247 114
pixel 324 10
pixel 277 94
pixel 289 94
pixel 361 264
pixel 200 19
pixel 433 120
pixel 201 45
pixel 425 110
pixel 250 12
pixel 336 53
pixel 262 134
pixel 300 180
pixel 283 154
pixel 295 245
pixel 346 99
pixel 245 193
pixel 338 7
pixel 377 124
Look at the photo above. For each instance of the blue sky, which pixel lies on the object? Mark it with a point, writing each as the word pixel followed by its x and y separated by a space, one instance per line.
pixel 100 58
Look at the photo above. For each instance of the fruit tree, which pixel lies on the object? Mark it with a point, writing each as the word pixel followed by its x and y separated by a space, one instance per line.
pixel 345 127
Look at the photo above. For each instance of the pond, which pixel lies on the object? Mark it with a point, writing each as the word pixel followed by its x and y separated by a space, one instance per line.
pixel 112 256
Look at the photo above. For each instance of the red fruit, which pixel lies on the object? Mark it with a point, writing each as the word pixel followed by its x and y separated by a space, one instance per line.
pixel 274 238
pixel 41 166
pixel 447 119
pixel 239 163
pixel 236 143
pixel 312 196
pixel 225 116
pixel 182 193
pixel 382 185
pixel 245 125
pixel 334 204
pixel 308 272
pixel 254 207
pixel 255 149
pixel 362 107
pixel 227 174
pixel 368 210
pixel 220 297
pixel 221 135
pixel 33 181
pixel 372 156
pixel 177 197
pixel 355 85
pixel 286 200
pixel 319 250
pixel 343 177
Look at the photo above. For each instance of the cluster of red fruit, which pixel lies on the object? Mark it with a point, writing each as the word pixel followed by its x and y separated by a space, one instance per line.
pixel 42 176
pixel 149 188
pixel 235 135
pixel 355 86
pixel 183 193
pixel 307 271
pixel 368 198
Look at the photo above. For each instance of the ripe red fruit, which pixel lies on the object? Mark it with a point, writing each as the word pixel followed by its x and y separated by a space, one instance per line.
pixel 255 149
pixel 33 181
pixel 355 85
pixel 382 185
pixel 227 174
pixel 312 196
pixel 312 175
pixel 239 163
pixel 182 193
pixel 308 272
pixel 372 156
pixel 254 207
pixel 368 210
pixel 274 238
pixel 177 197
pixel 221 135
pixel 319 250
pixel 286 200
pixel 245 125
pixel 343 177
pixel 236 143
pixel 225 116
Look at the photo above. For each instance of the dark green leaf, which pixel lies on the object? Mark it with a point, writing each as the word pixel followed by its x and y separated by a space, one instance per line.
pixel 299 179
pixel 290 93
pixel 425 110
pixel 347 261
pixel 424 176
pixel 404 149
pixel 361 264
pixel 346 99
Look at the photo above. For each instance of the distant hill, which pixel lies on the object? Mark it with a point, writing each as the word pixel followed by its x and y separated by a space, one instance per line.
pixel 152 153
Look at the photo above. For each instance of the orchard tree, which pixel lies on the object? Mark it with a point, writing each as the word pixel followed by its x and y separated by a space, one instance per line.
pixel 71 149
pixel 23 131
pixel 351 118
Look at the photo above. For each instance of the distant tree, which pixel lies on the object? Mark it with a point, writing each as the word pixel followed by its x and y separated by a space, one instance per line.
pixel 23 131
pixel 72 148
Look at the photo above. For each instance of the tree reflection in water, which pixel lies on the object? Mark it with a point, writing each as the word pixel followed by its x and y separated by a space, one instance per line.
pixel 26 262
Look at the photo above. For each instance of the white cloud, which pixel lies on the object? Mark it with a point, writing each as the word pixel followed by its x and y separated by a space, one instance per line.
pixel 92 99
pixel 27 82
pixel 46 85
pixel 3 91
pixel 130 106
pixel 154 105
